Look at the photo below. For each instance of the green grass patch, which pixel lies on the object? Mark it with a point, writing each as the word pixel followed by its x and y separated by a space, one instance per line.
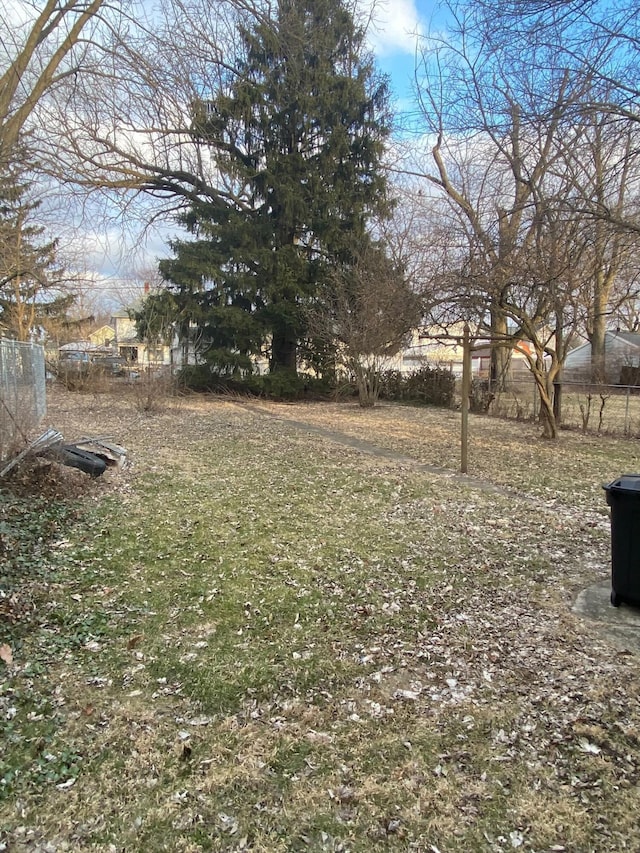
pixel 257 637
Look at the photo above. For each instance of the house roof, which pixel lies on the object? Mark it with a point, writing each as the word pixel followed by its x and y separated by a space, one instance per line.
pixel 105 328
pixel 83 346
pixel 77 346
pixel 629 337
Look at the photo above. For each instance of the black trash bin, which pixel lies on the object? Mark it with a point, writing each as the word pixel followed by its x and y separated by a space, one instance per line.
pixel 623 496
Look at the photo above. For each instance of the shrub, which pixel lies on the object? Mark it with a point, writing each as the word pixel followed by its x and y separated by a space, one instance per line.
pixel 281 385
pixel 152 389
pixel 287 385
pixel 197 377
pixel 481 396
pixel 434 386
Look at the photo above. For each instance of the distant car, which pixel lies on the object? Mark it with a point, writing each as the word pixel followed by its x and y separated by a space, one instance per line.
pixel 112 365
pixel 74 362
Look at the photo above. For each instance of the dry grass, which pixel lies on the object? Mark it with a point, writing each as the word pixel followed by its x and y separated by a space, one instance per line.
pixel 608 409
pixel 295 627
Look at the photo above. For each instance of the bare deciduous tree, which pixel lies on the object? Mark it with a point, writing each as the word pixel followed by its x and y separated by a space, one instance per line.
pixel 596 41
pixel 365 313
pixel 42 47
pixel 523 159
pixel 495 142
pixel 602 161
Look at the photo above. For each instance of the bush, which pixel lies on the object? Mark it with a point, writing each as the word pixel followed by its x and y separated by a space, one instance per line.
pixel 481 396
pixel 152 389
pixel 433 386
pixel 281 385
pixel 197 377
pixel 287 385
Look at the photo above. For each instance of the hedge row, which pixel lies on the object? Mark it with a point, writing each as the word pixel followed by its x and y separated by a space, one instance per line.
pixel 430 385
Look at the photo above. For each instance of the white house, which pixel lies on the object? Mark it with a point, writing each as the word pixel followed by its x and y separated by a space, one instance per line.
pixel 435 348
pixel 127 345
pixel 427 348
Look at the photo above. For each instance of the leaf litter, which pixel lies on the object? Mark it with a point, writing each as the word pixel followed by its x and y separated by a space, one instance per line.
pixel 262 638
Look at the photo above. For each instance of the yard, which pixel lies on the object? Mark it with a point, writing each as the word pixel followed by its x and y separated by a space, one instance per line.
pixel 296 627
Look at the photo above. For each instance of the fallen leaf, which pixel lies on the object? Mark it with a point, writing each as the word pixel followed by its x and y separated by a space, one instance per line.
pixel 408 695
pixel 228 823
pixel 6 654
pixel 200 721
pixel 585 746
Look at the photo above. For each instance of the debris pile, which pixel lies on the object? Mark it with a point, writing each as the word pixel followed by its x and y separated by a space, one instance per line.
pixel 90 455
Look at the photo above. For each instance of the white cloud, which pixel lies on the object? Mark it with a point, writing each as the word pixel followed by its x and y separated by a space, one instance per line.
pixel 16 12
pixel 394 25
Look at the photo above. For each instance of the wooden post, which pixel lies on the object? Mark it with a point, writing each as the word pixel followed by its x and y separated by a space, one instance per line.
pixel 466 393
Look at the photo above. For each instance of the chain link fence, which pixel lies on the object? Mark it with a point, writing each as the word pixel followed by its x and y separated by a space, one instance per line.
pixel 591 408
pixel 23 399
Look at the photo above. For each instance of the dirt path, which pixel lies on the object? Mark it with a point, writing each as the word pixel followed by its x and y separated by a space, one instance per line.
pixel 376 450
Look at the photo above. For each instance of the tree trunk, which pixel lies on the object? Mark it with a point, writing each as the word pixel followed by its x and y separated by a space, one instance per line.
pixel 500 354
pixel 545 393
pixel 598 356
pixel 557 401
pixel 368 386
pixel 284 351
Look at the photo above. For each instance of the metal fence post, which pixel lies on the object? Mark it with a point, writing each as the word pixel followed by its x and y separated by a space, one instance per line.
pixel 626 412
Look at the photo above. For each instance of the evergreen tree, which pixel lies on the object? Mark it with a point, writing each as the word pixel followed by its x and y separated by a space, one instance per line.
pixel 27 263
pixel 297 138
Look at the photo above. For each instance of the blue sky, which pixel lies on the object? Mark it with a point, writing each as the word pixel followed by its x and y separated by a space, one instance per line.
pixel 397 24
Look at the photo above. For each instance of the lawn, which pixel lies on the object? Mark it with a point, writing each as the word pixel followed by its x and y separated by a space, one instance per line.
pixel 292 627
